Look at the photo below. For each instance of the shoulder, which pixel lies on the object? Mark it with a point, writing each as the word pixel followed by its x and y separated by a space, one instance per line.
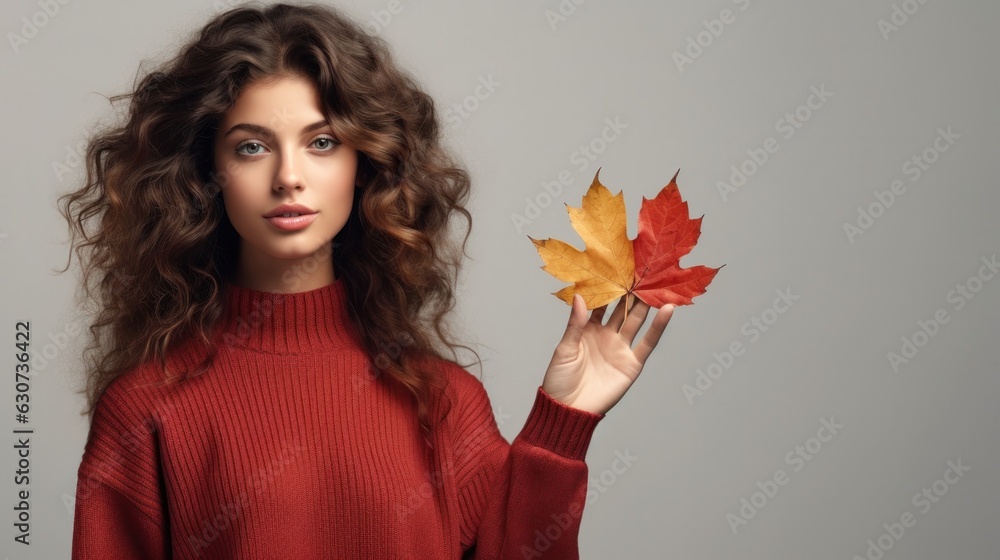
pixel 133 393
pixel 124 410
pixel 142 397
pixel 149 391
pixel 126 396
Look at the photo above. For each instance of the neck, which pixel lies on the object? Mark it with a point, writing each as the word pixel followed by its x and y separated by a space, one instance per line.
pixel 303 322
pixel 266 273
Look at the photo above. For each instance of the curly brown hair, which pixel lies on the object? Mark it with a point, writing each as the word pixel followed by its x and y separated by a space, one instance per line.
pixel 162 247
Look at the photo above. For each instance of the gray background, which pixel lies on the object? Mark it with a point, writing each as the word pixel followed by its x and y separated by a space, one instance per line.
pixel 826 355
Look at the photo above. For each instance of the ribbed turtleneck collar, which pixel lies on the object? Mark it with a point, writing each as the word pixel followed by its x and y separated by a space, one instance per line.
pixel 294 323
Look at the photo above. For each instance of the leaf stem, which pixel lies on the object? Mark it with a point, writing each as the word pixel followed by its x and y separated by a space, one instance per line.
pixel 629 295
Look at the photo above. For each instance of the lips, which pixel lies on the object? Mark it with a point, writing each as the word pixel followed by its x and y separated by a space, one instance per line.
pixel 292 223
pixel 291 217
pixel 290 210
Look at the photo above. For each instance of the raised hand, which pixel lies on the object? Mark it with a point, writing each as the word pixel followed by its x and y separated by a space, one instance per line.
pixel 594 364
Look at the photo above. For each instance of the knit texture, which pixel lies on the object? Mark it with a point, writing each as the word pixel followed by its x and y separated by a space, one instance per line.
pixel 293 446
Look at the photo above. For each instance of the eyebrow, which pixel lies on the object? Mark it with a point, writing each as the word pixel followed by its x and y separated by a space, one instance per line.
pixel 267 132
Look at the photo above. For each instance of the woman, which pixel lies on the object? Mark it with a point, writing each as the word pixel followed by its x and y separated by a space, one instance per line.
pixel 273 271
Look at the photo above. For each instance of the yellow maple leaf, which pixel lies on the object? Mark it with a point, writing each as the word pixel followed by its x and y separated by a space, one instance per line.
pixel 605 270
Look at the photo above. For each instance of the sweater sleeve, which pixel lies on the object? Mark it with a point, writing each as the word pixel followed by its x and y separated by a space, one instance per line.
pixel 109 525
pixel 120 507
pixel 524 499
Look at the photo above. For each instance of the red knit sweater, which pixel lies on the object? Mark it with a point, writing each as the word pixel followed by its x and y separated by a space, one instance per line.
pixel 291 446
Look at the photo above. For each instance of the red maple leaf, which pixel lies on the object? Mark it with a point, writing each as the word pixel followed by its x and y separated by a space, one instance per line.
pixel 667 233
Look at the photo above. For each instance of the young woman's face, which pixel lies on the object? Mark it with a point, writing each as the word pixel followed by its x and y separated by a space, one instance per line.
pixel 273 148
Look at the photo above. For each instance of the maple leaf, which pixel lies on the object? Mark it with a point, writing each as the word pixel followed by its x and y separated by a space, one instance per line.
pixel 605 270
pixel 612 265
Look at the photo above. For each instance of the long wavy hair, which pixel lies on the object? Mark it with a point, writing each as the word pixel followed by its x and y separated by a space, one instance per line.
pixel 162 246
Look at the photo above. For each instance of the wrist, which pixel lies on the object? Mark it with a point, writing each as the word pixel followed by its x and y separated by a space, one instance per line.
pixel 573 403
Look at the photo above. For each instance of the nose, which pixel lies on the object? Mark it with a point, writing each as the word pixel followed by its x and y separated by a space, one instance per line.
pixel 288 175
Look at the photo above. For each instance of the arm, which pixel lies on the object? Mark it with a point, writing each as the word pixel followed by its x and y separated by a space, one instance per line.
pixel 107 524
pixel 524 499
pixel 120 509
pixel 535 489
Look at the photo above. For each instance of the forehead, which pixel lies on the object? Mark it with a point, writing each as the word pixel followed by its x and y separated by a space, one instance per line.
pixel 276 102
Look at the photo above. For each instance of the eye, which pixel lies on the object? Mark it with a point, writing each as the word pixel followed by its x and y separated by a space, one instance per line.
pixel 331 143
pixel 239 149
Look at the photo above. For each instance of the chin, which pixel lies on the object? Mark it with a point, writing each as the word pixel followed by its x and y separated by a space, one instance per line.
pixel 292 253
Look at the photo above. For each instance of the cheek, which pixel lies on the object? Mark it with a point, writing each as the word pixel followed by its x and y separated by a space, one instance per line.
pixel 330 171
pixel 336 182
pixel 246 188
pixel 239 204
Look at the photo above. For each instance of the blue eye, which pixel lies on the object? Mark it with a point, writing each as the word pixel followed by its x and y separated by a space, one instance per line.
pixel 333 142
pixel 241 146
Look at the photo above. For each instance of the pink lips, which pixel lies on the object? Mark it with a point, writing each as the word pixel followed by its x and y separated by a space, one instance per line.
pixel 293 223
pixel 279 220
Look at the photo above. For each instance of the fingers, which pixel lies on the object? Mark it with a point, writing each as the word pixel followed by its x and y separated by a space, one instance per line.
pixel 652 336
pixel 619 311
pixel 636 317
pixel 597 314
pixel 577 320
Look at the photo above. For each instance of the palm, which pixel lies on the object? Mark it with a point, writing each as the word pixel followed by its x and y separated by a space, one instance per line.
pixel 594 364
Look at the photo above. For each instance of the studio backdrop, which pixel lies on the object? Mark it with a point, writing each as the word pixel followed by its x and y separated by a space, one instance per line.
pixel 832 395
